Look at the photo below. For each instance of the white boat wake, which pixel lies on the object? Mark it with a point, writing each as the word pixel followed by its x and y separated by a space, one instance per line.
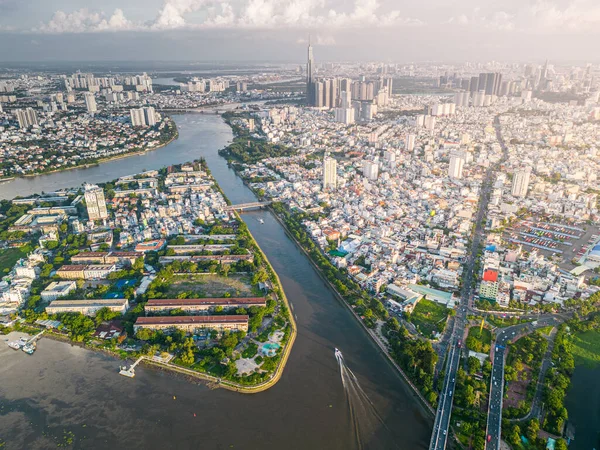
pixel 365 419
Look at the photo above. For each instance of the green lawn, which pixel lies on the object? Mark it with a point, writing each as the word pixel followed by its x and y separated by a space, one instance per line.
pixel 479 342
pixel 8 258
pixel 212 285
pixel 586 348
pixel 506 322
pixel 429 316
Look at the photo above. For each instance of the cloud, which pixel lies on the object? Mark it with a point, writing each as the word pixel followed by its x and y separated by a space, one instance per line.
pixel 172 13
pixel 318 40
pixel 83 20
pixel 539 16
pixel 249 14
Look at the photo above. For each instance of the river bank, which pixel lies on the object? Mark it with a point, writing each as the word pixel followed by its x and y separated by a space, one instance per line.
pixel 583 397
pixel 427 407
pixel 63 387
pixel 102 160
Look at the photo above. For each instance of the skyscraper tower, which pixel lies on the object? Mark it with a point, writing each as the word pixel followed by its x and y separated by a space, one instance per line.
pixel 309 75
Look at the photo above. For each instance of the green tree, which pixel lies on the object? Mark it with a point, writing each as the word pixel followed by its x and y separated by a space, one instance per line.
pixel 533 429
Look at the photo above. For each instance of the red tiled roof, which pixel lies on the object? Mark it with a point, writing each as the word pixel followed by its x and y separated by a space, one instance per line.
pixel 175 320
pixel 490 275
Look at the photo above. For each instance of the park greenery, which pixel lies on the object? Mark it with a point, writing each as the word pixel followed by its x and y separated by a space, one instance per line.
pixel 523 366
pixel 416 357
pixel 429 317
pixel 479 339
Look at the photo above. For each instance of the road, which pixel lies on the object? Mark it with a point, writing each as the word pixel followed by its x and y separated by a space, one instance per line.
pixel 494 420
pixel 441 425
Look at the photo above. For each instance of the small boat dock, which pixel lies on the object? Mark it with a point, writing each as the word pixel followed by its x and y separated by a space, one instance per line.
pixel 130 372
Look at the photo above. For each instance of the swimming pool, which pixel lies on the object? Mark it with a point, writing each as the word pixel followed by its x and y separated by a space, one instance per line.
pixel 270 348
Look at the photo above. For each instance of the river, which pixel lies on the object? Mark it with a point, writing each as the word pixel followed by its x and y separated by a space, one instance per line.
pixel 67 388
pixel 583 404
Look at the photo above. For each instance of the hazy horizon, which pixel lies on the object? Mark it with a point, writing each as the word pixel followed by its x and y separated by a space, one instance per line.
pixel 277 31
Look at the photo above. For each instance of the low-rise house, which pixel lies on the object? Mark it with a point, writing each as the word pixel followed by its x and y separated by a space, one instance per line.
pixel 57 289
pixel 88 307
pixel 193 324
pixel 199 305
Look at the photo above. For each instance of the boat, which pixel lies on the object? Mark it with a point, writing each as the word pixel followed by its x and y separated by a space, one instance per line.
pixel 29 348
pixel 337 353
pixel 15 345
pixel 261 221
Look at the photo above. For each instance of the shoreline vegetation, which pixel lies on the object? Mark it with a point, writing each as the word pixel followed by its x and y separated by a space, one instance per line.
pixel 94 163
pixel 401 352
pixel 213 360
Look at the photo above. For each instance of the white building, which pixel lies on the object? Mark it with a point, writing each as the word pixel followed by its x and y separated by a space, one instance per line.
pixel 370 169
pixel 329 173
pixel 520 182
pixel 96 204
pixel 57 289
pixel 410 142
pixel 457 162
pixel 90 102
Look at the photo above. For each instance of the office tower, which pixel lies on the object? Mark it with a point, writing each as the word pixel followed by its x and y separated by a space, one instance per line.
pixel 319 94
pixel 346 99
pixel 520 182
pixel 96 204
pixel 478 98
pixel 474 84
pixel 327 93
pixel 345 113
pixel 90 102
pixel 309 76
pixel 334 89
pixel 329 173
pixel 370 169
pixel 367 111
pixel 482 82
pixel 457 162
pixel 489 83
pixel 410 142
pixel 462 99
pixel 149 116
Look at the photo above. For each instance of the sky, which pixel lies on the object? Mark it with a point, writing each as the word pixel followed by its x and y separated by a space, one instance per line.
pixel 277 30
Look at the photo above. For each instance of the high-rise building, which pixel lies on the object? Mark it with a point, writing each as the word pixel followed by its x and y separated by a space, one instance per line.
pixel 409 144
pixel 319 96
pixel 143 117
pixel 370 169
pixel 309 76
pixel 90 102
pixel 457 162
pixel 96 204
pixel 329 173
pixel 520 182
pixel 149 116
pixel 26 117
pixel 137 117
pixel 345 113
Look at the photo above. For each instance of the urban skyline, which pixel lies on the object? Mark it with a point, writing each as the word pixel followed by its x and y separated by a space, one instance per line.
pixel 418 239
